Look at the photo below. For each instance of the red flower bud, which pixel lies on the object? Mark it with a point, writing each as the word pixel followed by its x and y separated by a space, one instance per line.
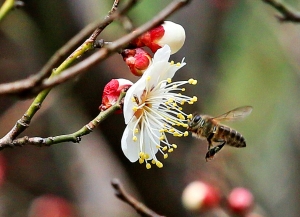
pixel 199 196
pixel 137 60
pixel 240 201
pixel 168 33
pixel 112 92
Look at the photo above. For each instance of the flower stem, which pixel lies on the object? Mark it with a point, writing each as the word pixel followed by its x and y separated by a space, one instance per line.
pixel 73 137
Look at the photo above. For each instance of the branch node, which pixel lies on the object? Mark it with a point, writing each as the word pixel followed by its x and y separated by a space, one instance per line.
pixel 99 43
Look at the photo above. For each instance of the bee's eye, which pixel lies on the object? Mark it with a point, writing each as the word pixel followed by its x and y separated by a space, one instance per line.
pixel 197 118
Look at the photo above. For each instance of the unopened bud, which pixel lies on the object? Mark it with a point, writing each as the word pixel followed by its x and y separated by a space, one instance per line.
pixel 168 33
pixel 240 201
pixel 112 92
pixel 137 60
pixel 199 196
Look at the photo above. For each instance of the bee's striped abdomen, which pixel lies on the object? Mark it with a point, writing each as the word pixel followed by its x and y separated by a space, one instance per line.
pixel 231 136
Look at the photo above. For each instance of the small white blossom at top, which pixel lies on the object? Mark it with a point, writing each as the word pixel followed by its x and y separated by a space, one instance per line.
pixel 174 36
pixel 152 107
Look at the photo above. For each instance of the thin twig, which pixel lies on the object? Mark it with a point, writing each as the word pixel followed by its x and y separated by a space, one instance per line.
pixel 105 52
pixel 22 87
pixel 288 14
pixel 81 67
pixel 127 198
pixel 73 137
pixel 23 123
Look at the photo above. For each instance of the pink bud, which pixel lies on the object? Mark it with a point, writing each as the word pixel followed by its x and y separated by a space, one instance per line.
pixel 137 60
pixel 168 33
pixel 240 201
pixel 49 206
pixel 112 92
pixel 199 196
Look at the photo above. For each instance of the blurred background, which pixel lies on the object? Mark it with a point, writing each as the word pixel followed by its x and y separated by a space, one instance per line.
pixel 236 49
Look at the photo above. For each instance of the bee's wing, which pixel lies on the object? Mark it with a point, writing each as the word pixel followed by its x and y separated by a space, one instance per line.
pixel 235 114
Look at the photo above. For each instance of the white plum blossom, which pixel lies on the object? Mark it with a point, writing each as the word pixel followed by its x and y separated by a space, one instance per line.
pixel 152 107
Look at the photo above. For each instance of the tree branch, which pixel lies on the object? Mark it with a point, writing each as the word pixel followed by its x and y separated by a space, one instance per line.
pixel 23 123
pixel 22 87
pixel 127 198
pixel 288 14
pixel 73 137
pixel 106 51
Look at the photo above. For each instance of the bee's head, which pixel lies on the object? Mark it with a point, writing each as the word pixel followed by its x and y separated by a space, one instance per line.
pixel 196 122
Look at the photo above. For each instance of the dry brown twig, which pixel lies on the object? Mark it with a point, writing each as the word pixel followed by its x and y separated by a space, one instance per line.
pixel 81 67
pixel 287 13
pixel 22 87
pixel 34 84
pixel 127 198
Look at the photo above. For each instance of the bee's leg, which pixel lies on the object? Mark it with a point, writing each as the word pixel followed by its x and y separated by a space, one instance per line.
pixel 209 140
pixel 211 152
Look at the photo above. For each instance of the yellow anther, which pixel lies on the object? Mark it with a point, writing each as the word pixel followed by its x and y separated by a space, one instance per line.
pixel 171 130
pixel 162 130
pixel 180 116
pixel 134 138
pixel 174 104
pixel 184 125
pixel 175 86
pixel 190 81
pixel 183 89
pixel 148 78
pixel 186 133
pixel 147 156
pixel 148 166
pixel 135 108
pixel 159 164
pixel 191 102
pixel 133 99
pixel 166 156
pixel 169 80
pixel 140 154
pixel 178 64
pixel 141 160
pixel 180 108
pixel 194 82
pixel 174 145
pixel 136 130
pixel 172 62
pixel 194 99
pixel 190 116
pixel 153 161
pixel 182 102
pixel 162 137
pixel 170 100
pixel 164 148
pixel 176 134
pixel 170 150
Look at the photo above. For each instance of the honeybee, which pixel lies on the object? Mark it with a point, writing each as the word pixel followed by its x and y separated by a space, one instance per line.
pixel 209 128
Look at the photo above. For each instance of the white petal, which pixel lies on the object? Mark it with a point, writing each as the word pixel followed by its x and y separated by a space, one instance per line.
pixel 130 148
pixel 135 90
pixel 174 36
pixel 151 142
pixel 172 70
pixel 162 54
